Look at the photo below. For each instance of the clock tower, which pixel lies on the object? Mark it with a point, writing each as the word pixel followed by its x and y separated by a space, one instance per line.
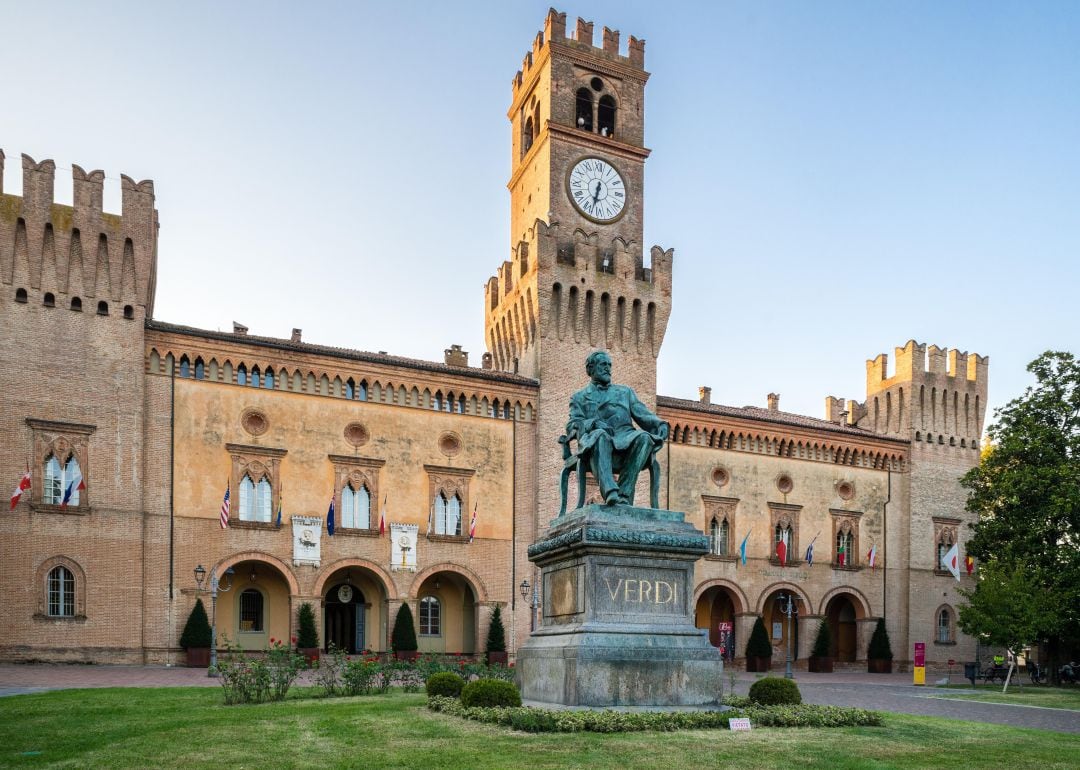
pixel 577 279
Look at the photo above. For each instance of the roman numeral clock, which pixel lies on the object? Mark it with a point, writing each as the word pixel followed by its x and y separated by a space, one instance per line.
pixel 597 190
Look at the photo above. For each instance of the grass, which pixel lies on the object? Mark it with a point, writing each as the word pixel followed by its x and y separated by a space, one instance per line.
pixel 1029 695
pixel 190 728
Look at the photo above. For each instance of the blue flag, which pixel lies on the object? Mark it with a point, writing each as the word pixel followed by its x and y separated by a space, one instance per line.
pixel 330 519
pixel 742 548
pixel 279 510
pixel 810 554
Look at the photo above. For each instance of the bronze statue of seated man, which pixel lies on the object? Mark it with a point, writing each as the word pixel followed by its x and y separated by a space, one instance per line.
pixel 602 420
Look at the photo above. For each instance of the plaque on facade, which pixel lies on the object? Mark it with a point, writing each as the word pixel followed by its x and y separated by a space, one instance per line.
pixel 403 547
pixel 307 534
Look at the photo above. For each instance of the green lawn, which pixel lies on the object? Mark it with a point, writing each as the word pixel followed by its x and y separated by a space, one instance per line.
pixel 1029 695
pixel 188 727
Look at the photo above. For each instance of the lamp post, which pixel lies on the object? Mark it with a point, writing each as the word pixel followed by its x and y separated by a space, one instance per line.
pixel 524 588
pixel 786 605
pixel 215 587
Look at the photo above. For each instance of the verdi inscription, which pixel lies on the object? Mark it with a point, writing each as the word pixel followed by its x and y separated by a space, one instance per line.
pixel 636 591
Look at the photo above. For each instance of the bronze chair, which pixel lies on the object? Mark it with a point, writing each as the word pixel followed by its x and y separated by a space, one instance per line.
pixel 579 465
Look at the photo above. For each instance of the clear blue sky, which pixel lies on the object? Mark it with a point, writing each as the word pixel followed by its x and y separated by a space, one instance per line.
pixel 835 177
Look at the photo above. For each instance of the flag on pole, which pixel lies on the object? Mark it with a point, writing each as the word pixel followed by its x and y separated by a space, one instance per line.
pixel 951 561
pixel 810 551
pixel 75 484
pixel 781 549
pixel 279 510
pixel 330 518
pixel 871 556
pixel 969 563
pixel 841 554
pixel 472 524
pixel 24 484
pixel 382 518
pixel 430 516
pixel 225 508
pixel 742 548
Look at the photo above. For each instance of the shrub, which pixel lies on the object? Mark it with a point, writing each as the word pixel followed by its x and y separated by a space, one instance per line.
pixel 404 636
pixel 254 680
pixel 774 691
pixel 879 648
pixel 496 640
pixel 307 637
pixel 446 684
pixel 489 693
pixel 197 629
pixel 822 642
pixel 757 646
pixel 362 676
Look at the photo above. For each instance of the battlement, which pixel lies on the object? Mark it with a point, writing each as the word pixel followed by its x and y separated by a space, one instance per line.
pixel 79 250
pixel 915 362
pixel 582 41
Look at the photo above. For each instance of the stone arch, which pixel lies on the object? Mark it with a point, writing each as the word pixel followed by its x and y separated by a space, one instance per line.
pixel 782 585
pixel 281 566
pixel 858 601
pixel 41 584
pixel 741 604
pixel 327 570
pixel 470 577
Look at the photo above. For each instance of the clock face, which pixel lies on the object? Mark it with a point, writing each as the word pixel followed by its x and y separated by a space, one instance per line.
pixel 596 189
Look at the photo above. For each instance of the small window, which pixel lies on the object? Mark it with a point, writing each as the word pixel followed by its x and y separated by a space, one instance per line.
pixel 251 610
pixel 76 304
pixel 447 515
pixel 20 295
pixel 200 369
pixel 268 379
pixel 944 625
pixel 255 376
pixel 945 544
pixel 241 375
pixel 102 308
pixel 460 409
pixel 350 389
pixel 61 593
pixel 53 492
pixel 361 391
pixel 129 312
pixel 185 367
pixel 49 300
pixel 583 116
pixel 355 507
pixel 430 616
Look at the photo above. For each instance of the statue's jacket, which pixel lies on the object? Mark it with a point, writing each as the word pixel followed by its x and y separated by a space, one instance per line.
pixel 613 410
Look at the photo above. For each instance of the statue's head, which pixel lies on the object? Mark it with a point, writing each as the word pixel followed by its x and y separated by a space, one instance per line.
pixel 598 367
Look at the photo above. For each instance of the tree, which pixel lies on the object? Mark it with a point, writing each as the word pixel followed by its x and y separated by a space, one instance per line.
pixel 757 646
pixel 404 636
pixel 823 641
pixel 496 639
pixel 1026 491
pixel 307 636
pixel 197 629
pixel 880 648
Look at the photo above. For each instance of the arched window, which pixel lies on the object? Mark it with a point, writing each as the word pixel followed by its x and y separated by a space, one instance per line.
pixel 782 534
pixel 605 115
pixel 527 136
pixel 361 394
pixel 200 369
pixel 73 482
pixel 944 625
pixel 437 402
pixel 945 544
pixel 20 295
pixel 447 515
pixel 185 367
pixel 129 312
pixel 583 110
pixel 241 375
pixel 350 389
pixel 255 499
pixel 251 610
pixel 268 379
pixel 506 410
pixel 50 299
pixel 718 536
pixel 102 308
pixel 430 616
pixel 255 381
pixel 355 507
pixel 53 493
pixel 460 408
pixel 76 304
pixel 845 548
pixel 61 589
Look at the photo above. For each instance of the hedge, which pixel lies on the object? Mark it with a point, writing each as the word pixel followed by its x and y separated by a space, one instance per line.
pixel 774 691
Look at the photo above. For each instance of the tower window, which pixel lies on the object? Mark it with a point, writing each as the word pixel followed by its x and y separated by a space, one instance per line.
pixel 20 295
pixel 583 117
pixel 76 304
pixel 605 116
pixel 527 136
pixel 129 312
pixel 597 84
pixel 102 308
pixel 50 299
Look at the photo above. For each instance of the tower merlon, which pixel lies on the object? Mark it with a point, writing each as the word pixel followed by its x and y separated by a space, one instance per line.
pixel 935 360
pixel 611 40
pixel 583 33
pixel 910 360
pixel 88 188
pixel 38 182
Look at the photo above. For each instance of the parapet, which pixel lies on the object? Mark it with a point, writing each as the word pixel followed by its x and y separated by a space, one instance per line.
pixel 583 40
pixel 918 362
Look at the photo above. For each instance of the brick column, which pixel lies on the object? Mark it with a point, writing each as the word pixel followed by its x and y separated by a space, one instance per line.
pixel 865 629
pixel 808 629
pixel 744 624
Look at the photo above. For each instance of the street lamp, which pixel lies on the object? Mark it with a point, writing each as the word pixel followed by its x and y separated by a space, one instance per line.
pixel 524 587
pixel 786 604
pixel 215 587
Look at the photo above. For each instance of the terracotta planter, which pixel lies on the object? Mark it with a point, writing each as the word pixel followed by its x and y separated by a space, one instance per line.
pixel 406 655
pixel 198 657
pixel 497 658
pixel 878 666
pixel 820 665
pixel 758 664
pixel 311 654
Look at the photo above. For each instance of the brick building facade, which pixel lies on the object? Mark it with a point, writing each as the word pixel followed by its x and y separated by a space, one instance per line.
pixel 159 419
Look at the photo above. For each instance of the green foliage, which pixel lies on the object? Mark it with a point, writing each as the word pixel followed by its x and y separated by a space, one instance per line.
pixel 404 637
pixel 822 642
pixel 307 637
pixel 879 648
pixel 490 693
pixel 774 691
pixel 446 684
pixel 496 639
pixel 537 720
pixel 757 646
pixel 1026 491
pixel 257 679
pixel 197 629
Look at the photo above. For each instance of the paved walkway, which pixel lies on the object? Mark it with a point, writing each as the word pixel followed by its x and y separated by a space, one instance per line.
pixel 884 692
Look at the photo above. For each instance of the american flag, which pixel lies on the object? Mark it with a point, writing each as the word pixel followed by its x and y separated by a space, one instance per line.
pixel 472 524
pixel 225 509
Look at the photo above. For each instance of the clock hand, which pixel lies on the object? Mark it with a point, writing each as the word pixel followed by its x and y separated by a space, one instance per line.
pixel 596 195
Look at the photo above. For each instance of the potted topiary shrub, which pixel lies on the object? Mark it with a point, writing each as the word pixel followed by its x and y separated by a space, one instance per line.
pixel 496 640
pixel 307 636
pixel 879 653
pixel 404 637
pixel 196 637
pixel 758 649
pixel 821 661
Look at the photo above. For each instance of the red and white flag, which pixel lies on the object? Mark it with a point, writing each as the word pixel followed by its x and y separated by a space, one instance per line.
pixel 871 556
pixel 382 518
pixel 225 509
pixel 781 549
pixel 472 524
pixel 24 484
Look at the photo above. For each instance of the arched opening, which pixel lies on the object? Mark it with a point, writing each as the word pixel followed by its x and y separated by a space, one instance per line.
pixel 446 614
pixel 102 308
pixel 583 110
pixel 840 615
pixel 347 624
pixel 527 136
pixel 49 300
pixel 76 304
pixel 605 116
pixel 129 312
pixel 715 610
pixel 20 295
pixel 256 608
pixel 778 627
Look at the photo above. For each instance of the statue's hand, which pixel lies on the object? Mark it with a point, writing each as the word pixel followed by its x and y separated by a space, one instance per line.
pixel 662 431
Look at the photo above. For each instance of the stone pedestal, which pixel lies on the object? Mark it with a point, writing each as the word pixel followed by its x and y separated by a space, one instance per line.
pixel 618 624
